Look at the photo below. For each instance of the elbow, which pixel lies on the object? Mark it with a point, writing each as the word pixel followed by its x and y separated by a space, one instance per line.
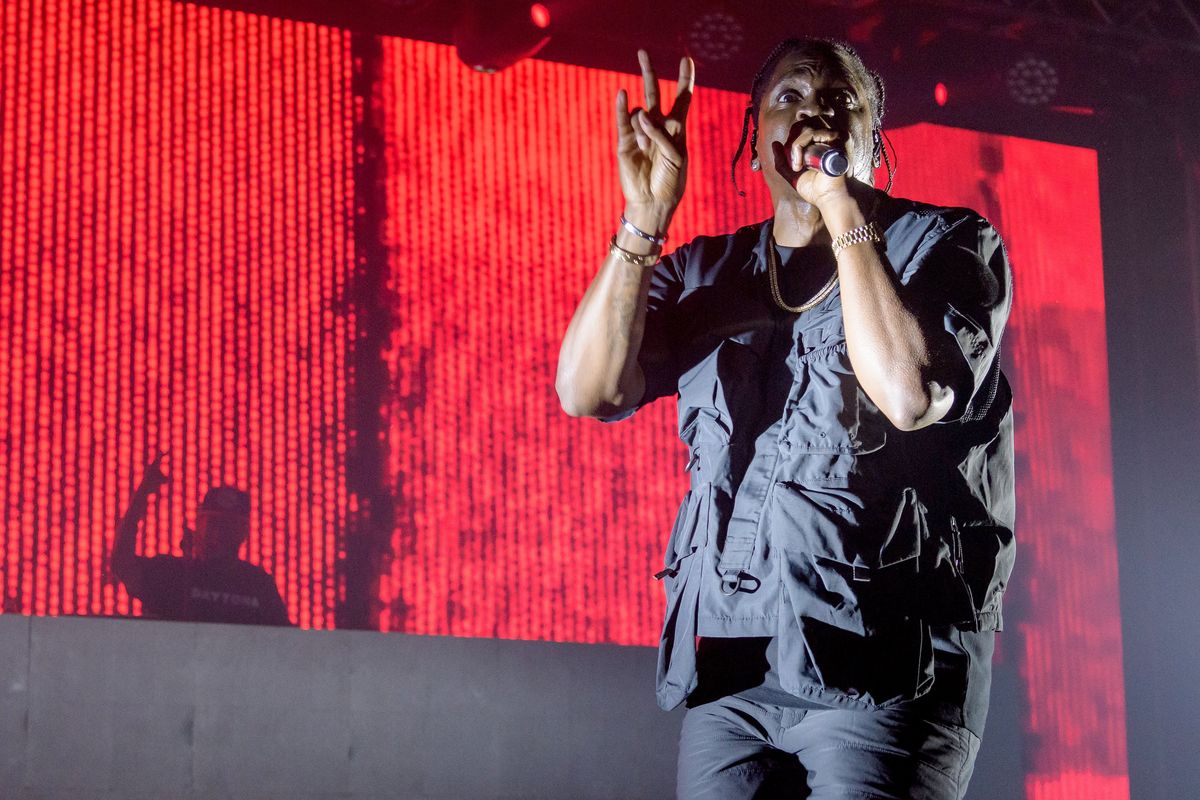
pixel 919 407
pixel 564 386
pixel 577 404
pixel 571 405
pixel 573 401
pixel 596 404
pixel 907 420
pixel 584 394
pixel 570 399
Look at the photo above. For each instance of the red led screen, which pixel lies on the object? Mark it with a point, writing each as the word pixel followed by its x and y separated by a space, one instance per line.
pixel 173 237
pixel 334 269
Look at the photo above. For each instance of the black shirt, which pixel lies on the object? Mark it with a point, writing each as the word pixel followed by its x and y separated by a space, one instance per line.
pixel 216 590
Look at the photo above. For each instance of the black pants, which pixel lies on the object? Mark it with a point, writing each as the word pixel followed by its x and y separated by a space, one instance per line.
pixel 734 748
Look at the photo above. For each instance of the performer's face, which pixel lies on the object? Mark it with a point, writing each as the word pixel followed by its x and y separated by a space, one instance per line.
pixel 810 100
pixel 219 534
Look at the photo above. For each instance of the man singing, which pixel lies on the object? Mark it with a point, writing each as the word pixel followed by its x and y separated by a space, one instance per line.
pixel 835 574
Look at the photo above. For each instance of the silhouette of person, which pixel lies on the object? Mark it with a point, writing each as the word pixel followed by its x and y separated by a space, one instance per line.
pixel 209 583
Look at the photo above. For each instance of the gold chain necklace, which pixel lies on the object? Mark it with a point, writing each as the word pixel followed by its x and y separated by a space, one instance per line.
pixel 773 277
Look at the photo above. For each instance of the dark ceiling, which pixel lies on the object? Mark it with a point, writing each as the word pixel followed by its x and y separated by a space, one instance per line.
pixel 1054 70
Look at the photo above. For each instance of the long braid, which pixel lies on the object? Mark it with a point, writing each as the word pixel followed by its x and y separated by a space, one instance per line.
pixel 741 146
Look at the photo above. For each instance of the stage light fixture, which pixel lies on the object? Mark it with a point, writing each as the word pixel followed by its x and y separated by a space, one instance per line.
pixel 1032 81
pixel 492 36
pixel 715 36
pixel 941 95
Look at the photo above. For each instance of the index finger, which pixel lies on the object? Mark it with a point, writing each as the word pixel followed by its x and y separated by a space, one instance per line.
pixel 649 80
pixel 624 126
pixel 683 93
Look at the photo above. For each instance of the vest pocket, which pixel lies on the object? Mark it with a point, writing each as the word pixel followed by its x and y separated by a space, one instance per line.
pixel 676 673
pixel 828 412
pixel 852 560
pixel 848 670
pixel 683 539
pixel 850 575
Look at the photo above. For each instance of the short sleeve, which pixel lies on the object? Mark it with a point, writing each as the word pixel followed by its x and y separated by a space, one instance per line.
pixel 657 355
pixel 963 278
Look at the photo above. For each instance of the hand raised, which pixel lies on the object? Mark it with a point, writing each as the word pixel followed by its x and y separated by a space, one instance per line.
pixel 154 478
pixel 652 146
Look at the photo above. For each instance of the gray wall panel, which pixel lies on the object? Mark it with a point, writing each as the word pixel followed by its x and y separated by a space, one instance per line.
pixel 14 697
pixel 110 707
pixel 271 711
pixel 151 706
pixel 70 737
pixel 136 709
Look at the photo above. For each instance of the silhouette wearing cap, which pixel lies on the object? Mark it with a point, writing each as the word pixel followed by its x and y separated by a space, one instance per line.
pixel 209 583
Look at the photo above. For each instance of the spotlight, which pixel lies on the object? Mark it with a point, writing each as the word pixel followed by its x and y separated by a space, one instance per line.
pixel 941 95
pixel 716 36
pixel 1032 81
pixel 492 36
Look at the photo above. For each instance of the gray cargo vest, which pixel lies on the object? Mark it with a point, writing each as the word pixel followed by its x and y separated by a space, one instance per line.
pixel 809 516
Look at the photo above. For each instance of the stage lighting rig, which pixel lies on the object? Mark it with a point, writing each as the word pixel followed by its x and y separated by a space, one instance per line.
pixel 491 36
pixel 715 36
pixel 1032 81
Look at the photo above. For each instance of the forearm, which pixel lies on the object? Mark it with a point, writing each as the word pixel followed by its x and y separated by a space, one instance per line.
pixel 598 371
pixel 892 354
pixel 124 552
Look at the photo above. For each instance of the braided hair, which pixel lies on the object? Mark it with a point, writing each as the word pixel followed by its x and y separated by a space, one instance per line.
pixel 865 81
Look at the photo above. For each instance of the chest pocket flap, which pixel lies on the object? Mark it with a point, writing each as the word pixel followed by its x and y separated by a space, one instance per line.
pixel 828 412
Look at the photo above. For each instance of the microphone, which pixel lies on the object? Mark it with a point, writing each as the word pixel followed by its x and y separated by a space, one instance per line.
pixel 828 159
